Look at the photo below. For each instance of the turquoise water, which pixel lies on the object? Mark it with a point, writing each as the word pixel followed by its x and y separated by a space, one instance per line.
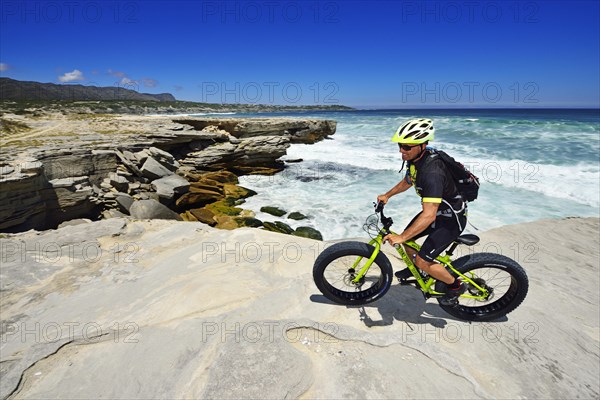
pixel 532 164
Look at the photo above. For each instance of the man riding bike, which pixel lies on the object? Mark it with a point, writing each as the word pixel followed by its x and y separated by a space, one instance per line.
pixel 443 217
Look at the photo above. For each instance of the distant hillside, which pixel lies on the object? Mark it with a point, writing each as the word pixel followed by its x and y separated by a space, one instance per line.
pixel 11 89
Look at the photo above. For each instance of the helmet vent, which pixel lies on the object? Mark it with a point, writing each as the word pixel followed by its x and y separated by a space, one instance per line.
pixel 415 131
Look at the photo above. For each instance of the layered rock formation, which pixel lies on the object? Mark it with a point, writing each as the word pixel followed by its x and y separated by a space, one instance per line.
pixel 79 167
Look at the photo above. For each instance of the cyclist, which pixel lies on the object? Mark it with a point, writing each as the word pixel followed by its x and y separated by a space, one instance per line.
pixel 443 217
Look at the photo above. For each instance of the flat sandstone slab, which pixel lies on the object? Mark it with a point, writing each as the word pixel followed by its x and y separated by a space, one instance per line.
pixel 166 309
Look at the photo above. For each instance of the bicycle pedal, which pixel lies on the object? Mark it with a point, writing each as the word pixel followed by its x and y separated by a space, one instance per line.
pixel 403 274
pixel 407 282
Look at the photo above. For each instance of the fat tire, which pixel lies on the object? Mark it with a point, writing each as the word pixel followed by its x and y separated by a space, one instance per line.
pixel 351 248
pixel 502 306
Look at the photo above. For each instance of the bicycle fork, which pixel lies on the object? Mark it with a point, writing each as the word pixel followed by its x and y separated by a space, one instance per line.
pixel 358 277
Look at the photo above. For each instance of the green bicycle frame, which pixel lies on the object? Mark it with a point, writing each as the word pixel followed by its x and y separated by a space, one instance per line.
pixel 426 286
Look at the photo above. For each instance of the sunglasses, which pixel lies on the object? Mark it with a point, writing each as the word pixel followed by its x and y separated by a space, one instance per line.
pixel 406 147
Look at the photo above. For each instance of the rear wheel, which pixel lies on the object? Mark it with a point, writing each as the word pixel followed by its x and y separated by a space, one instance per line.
pixel 505 280
pixel 334 272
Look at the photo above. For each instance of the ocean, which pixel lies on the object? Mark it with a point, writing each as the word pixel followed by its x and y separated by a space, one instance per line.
pixel 532 164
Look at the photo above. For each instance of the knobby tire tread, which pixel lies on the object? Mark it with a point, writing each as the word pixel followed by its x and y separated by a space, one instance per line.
pixel 502 306
pixel 352 248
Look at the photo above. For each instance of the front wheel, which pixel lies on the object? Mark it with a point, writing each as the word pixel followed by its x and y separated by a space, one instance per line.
pixel 336 268
pixel 505 280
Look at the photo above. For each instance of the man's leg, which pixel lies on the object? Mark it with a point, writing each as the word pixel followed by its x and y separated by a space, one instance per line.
pixel 437 241
pixel 434 269
pixel 410 251
pixel 405 273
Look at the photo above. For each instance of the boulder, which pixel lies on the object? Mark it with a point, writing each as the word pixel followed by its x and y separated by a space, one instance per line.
pixel 206 185
pixel 131 165
pixel 249 222
pixel 130 156
pixel 152 209
pixel 198 197
pixel 119 182
pixel 222 176
pixel 106 186
pixel 152 169
pixel 203 215
pixel 278 226
pixel 261 150
pixel 214 156
pixel 164 158
pixel 296 216
pixel 142 156
pixel 134 187
pixel 278 212
pixel 225 207
pixel 248 213
pixel 308 232
pixel 170 186
pixel 237 192
pixel 188 217
pixel 226 222
pixel 146 196
pixel 124 201
pixel 106 214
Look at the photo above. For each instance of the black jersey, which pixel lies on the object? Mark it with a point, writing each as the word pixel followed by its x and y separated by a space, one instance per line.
pixel 434 184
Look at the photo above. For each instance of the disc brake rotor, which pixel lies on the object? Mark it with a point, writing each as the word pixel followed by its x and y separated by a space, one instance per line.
pixel 476 292
pixel 349 277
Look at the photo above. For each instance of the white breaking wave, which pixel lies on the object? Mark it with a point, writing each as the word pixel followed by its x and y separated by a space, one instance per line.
pixel 578 183
pixel 189 115
pixel 525 171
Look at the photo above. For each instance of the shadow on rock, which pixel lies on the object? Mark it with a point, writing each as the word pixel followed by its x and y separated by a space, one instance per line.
pixel 400 303
pixel 406 304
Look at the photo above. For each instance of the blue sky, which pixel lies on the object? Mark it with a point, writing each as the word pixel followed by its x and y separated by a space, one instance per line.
pixel 402 54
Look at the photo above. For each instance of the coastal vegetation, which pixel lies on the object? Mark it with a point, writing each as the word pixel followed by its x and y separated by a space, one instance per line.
pixel 141 107
pixel 9 127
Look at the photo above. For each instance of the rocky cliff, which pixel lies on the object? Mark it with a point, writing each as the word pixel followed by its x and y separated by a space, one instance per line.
pixel 54 170
pixel 164 309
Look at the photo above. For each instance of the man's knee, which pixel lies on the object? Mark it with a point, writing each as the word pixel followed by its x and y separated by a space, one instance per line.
pixel 423 264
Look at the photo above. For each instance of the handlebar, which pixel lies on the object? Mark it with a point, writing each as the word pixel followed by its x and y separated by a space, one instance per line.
pixel 386 221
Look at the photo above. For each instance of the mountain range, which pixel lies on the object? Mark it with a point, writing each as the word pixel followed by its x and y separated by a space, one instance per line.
pixel 11 89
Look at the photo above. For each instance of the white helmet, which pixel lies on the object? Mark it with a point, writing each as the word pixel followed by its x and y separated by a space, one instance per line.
pixel 415 131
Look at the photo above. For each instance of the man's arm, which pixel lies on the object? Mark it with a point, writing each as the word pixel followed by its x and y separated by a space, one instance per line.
pixel 400 187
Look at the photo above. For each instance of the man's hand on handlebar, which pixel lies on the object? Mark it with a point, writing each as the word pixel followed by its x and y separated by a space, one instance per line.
pixel 395 240
pixel 383 198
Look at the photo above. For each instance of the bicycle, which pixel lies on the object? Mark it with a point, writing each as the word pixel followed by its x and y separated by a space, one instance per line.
pixel 345 273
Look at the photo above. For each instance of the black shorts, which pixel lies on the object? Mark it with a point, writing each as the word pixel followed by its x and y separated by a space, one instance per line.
pixel 440 234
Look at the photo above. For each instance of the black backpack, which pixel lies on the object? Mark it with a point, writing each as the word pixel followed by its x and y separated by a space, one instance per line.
pixel 466 183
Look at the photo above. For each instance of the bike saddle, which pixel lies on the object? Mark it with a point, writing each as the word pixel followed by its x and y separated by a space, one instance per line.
pixel 467 239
